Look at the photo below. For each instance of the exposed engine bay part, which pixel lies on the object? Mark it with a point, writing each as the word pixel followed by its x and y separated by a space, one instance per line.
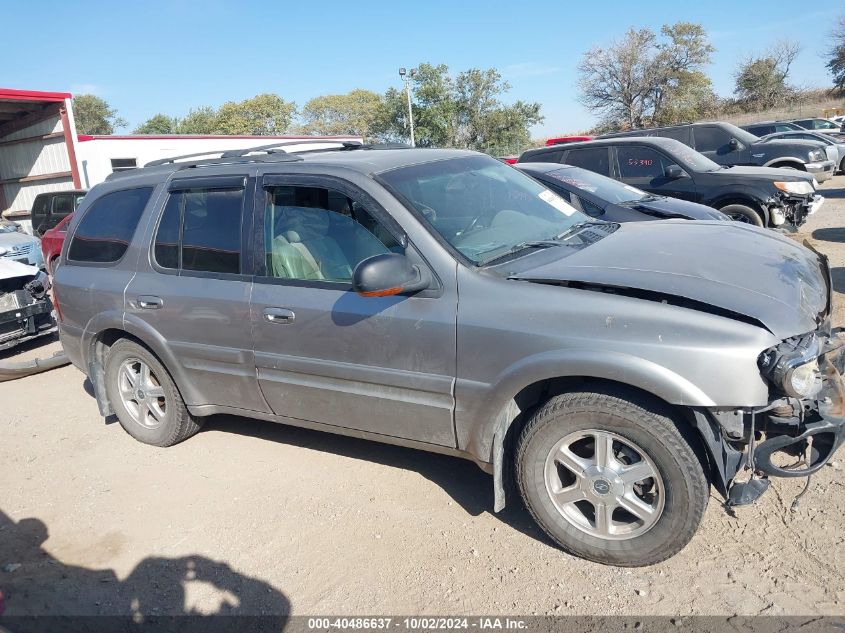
pixel 12 371
pixel 26 311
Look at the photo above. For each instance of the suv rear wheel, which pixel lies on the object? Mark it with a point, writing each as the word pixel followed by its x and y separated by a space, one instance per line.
pixel 742 213
pixel 610 477
pixel 145 398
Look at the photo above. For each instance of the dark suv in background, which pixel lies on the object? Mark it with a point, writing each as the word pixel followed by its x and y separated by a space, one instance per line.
pixel 48 209
pixel 664 166
pixel 726 144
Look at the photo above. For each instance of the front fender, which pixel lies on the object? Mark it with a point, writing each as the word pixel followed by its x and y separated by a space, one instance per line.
pixel 477 426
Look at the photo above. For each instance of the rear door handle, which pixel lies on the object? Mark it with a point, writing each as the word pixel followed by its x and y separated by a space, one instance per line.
pixel 281 316
pixel 149 302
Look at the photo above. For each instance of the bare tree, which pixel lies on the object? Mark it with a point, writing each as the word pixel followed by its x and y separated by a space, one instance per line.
pixel 645 78
pixel 761 80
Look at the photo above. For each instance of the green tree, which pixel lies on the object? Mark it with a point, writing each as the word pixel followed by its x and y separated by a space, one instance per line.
pixel 93 115
pixel 198 121
pixel 646 78
pixel 264 114
pixel 463 111
pixel 761 81
pixel 836 55
pixel 158 124
pixel 355 112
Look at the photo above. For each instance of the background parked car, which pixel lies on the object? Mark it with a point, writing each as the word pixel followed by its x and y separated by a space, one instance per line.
pixel 764 128
pixel 49 209
pixel 726 144
pixel 18 246
pixel 51 243
pixel 834 146
pixel 818 124
pixel 610 200
pixel 560 140
pixel 664 166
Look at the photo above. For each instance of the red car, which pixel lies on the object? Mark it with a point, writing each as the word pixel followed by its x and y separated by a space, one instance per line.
pixel 558 140
pixel 51 243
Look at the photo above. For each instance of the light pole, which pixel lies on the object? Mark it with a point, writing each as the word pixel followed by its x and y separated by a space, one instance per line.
pixel 406 76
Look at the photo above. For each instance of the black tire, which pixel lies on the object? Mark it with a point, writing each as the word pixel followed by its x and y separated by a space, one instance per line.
pixel 176 424
pixel 649 425
pixel 743 213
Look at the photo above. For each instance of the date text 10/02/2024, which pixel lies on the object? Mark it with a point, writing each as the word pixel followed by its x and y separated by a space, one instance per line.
pixel 417 623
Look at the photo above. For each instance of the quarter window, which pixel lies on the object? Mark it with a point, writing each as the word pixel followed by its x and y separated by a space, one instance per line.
pixel 104 233
pixel 200 230
pixel 318 234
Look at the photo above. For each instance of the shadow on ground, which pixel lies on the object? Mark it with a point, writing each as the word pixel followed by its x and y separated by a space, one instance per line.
pixel 837 274
pixel 34 583
pixel 461 479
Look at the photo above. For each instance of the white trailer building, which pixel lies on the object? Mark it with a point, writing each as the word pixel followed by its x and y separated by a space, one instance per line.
pixel 99 156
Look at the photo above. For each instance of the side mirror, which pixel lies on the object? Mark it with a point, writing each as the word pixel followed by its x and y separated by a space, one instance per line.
pixel 673 172
pixel 388 274
pixel 734 144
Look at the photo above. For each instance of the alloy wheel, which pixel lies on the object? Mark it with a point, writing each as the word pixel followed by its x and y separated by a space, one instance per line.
pixel 141 392
pixel 604 485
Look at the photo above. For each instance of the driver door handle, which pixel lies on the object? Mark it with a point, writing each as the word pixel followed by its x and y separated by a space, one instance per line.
pixel 280 316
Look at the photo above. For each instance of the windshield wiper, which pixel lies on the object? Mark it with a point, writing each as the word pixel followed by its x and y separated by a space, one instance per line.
pixel 520 247
pixel 577 228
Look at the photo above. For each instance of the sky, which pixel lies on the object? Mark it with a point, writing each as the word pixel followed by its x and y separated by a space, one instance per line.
pixel 170 56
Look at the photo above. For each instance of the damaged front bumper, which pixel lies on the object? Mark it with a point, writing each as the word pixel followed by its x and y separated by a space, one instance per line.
pixel 793 210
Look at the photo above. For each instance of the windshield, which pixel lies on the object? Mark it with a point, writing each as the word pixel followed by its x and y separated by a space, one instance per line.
pixel 482 207
pixel 688 157
pixel 602 187
pixel 8 227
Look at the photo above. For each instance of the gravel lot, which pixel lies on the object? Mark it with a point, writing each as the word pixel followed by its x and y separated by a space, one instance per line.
pixel 251 517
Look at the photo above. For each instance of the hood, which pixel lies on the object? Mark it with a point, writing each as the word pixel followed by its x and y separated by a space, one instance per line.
pixel 11 270
pixel 747 271
pixel 787 144
pixel 676 207
pixel 766 173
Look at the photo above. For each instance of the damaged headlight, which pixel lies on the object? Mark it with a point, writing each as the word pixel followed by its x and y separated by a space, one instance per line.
pixel 793 366
pixel 801 187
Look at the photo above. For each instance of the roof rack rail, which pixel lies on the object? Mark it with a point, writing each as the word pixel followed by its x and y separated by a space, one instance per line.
pixel 272 148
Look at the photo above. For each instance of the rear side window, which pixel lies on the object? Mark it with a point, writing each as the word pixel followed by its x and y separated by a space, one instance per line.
pixel 594 158
pixel 39 207
pixel 107 228
pixel 681 134
pixel 200 230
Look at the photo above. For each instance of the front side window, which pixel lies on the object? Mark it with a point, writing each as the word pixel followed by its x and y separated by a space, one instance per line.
pixel 710 138
pixel 319 234
pixel 104 233
pixel 595 159
pixel 200 230
pixel 481 207
pixel 641 162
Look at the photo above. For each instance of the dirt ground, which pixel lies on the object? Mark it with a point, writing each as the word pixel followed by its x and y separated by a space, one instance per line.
pixel 251 517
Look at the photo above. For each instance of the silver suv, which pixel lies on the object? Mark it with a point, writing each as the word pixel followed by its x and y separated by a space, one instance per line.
pixel 443 300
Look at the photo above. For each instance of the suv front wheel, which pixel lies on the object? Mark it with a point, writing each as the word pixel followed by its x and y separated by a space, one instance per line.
pixel 145 398
pixel 610 477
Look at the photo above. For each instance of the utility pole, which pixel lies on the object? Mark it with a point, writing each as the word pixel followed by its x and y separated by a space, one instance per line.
pixel 406 76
